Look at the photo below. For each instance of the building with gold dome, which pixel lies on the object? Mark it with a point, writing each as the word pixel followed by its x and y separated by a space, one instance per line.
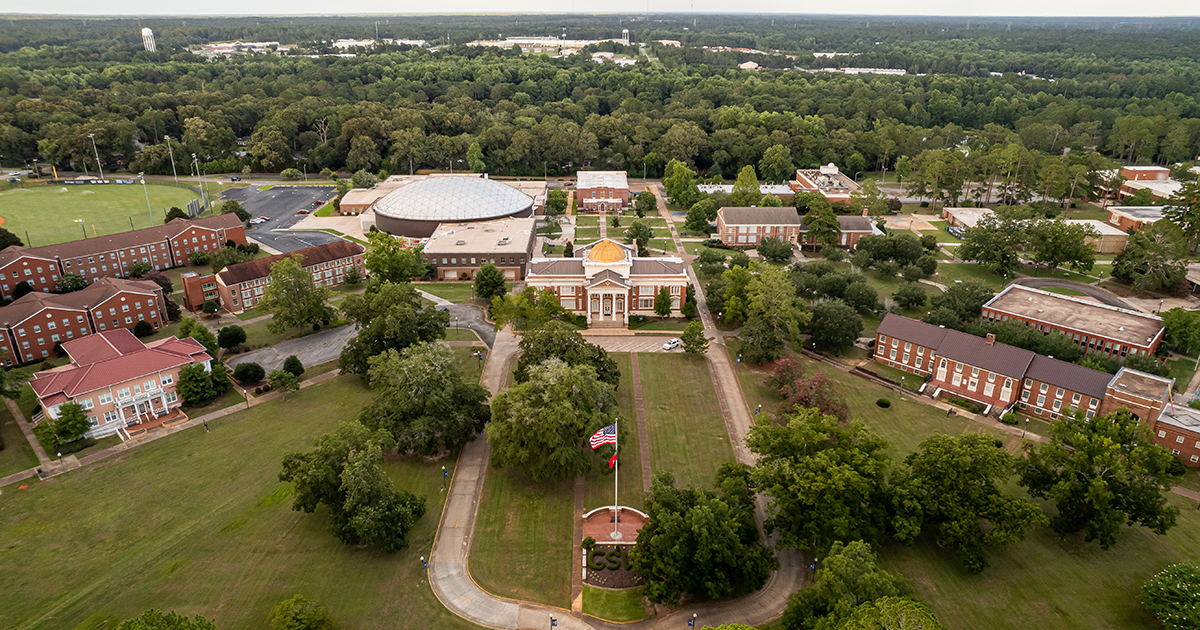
pixel 608 283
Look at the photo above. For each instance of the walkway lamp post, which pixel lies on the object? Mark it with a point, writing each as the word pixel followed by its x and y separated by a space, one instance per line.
pixel 443 478
pixel 692 621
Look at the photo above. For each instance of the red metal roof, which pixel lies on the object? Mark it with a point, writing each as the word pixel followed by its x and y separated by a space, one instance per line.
pixel 90 375
pixel 122 240
pixel 102 346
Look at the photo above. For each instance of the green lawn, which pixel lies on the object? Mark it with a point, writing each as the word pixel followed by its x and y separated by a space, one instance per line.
pixel 325 210
pixel 587 232
pixel 17 454
pixel 598 485
pixel 587 221
pixel 259 336
pixel 947 273
pixel 461 334
pixel 1042 272
pixel 199 523
pixel 621 606
pixel 687 431
pixel 453 291
pixel 48 214
pixel 472 367
pixel 523 543
pixel 1182 370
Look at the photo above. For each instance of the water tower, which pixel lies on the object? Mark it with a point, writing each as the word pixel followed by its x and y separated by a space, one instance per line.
pixel 625 35
pixel 148 40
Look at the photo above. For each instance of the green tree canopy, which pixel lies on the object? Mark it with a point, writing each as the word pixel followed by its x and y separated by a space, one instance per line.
pixel 292 299
pixel 850 577
pixel 388 260
pixel 231 337
pixel 891 613
pixel 701 542
pixel 1101 473
pixel 1171 595
pixel 1154 258
pixel 299 613
pixel 776 164
pixel 835 325
pixel 1054 242
pixel 388 316
pixel 423 399
pixel 530 309
pixel 693 339
pixel 745 188
pixel 539 426
pixel 489 282
pixel 158 620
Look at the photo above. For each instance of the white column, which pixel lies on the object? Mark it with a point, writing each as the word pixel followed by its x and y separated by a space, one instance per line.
pixel 121 413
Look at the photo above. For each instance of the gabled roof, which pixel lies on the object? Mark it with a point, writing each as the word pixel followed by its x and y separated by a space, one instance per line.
pixel 854 223
pixel 657 267
pixel 96 293
pixel 608 275
pixel 780 215
pixel 102 346
pixel 975 351
pixel 1069 376
pixel 556 267
pixel 88 375
pixel 912 330
pixel 122 240
pixel 261 268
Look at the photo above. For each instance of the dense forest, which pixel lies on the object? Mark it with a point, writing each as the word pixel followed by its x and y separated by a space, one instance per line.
pixel 1102 91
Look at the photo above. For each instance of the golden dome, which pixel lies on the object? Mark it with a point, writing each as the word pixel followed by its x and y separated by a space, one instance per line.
pixel 606 252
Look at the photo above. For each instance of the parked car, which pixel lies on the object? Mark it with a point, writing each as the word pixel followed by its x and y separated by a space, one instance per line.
pixel 235 179
pixel 318 203
pixel 671 344
pixel 258 220
pixel 304 211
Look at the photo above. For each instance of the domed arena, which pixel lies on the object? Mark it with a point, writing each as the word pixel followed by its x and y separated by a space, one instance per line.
pixel 415 210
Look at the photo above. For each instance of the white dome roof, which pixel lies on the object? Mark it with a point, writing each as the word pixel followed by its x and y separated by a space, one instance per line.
pixel 451 198
pixel 147 31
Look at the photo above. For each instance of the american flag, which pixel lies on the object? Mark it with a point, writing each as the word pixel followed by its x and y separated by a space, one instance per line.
pixel 607 435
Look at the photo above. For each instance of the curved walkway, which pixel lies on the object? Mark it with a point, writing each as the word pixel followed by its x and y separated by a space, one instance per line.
pixel 1103 295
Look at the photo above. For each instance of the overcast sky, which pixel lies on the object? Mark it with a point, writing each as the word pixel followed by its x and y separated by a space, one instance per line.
pixel 1082 8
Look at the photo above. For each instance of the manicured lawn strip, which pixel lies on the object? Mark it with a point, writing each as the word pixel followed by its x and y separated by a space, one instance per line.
pixel 471 366
pixel 687 431
pixel 621 606
pixel 523 538
pixel 48 213
pixel 662 244
pixel 1182 370
pixel 453 291
pixel 325 210
pixel 598 484
pixel 587 221
pixel 199 523
pixel 228 399
pixel 317 370
pixel 259 336
pixel 661 325
pixel 587 232
pixel 1047 582
pixel 461 334
pixel 1042 272
pixel 170 330
pixel 1086 211
pixel 948 273
pixel 252 313
pixel 17 454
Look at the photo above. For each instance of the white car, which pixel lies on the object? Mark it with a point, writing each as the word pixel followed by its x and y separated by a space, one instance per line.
pixel 671 344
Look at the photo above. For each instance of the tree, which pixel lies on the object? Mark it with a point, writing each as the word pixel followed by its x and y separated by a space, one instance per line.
pixel 891 613
pixel 227 256
pixel 299 613
pixel 849 578
pixel 825 479
pixel 191 328
pixel 539 426
pixel 745 188
pixel 353 276
pixel 343 473
pixel 776 164
pixel 1054 242
pixel 868 197
pixel 1154 258
pixel 231 337
pixel 735 299
pixel 527 310
pixel 1184 211
pixel 861 297
pixel 195 385
pixel 680 182
pixel 291 175
pixel 994 242
pixel 645 203
pixel 176 213
pixel 556 204
pixel 774 315
pixel 712 261
pixel 701 542
pixel 774 249
pixel 952 483
pixel 693 339
pixel 8 238
pixel 489 282
pixel 808 392
pixel 220 378
pixel 363 179
pixel 910 295
pixel 293 366
pixel 424 401
pixel 143 329
pixel 640 232
pixel 964 300
pixel 71 282
pixel 662 302
pixel 1100 473
pixel 270 149
pixel 569 250
pixel 158 620
pixel 835 325
pixel 389 261
pixel 1171 595
pixel 475 158
pixel 697 220
pixel 283 381
pixel 71 425
pixel 291 297
pixel 1182 328
pixel 249 372
pixel 210 307
pixel 558 340
pixel 235 207
pixel 138 269
pixel 388 316
pixel 821 225
pixel 199 258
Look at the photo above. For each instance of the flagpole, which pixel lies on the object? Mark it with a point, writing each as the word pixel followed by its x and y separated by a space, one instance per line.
pixel 616 477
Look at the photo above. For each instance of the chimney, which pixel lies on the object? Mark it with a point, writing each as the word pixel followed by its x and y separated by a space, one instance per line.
pixel 991 339
pixel 864 212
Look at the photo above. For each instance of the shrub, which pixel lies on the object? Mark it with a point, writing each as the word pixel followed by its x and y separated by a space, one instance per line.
pixel 249 372
pixel 293 365
pixel 883 403
pixel 588 543
pixel 198 258
pixel 924 204
pixel 1009 418
pixel 143 329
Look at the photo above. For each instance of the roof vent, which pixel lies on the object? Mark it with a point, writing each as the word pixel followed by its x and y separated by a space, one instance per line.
pixel 460 243
pixel 1039 310
pixel 1121 328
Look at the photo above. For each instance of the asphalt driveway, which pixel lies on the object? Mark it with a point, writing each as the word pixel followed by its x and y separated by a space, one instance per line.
pixel 281 204
pixel 313 349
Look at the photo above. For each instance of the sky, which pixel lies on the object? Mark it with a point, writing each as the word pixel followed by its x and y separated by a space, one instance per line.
pixel 1081 8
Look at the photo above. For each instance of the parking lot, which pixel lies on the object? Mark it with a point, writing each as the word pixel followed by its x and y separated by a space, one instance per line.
pixel 280 204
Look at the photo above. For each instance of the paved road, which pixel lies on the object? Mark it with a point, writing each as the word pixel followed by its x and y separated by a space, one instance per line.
pixel 641 343
pixel 1104 295
pixel 280 204
pixel 471 316
pixel 313 349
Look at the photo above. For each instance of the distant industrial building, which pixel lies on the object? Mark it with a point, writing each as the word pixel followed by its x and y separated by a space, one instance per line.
pixel 456 251
pixel 827 180
pixel 1126 218
pixel 148 40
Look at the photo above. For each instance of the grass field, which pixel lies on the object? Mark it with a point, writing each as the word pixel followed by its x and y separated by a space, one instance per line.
pixel 461 334
pixel 199 523
pixel 17 454
pixel 598 485
pixel 453 291
pixel 621 606
pixel 48 214
pixel 687 431
pixel 948 273
pixel 587 232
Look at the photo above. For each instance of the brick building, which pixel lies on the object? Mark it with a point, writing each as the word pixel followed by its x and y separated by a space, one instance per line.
pixel 827 180
pixel 36 322
pixel 601 191
pixel 112 256
pixel 458 249
pixel 1003 378
pixel 1096 327
pixel 1127 218
pixel 748 226
pixel 240 287
pixel 119 381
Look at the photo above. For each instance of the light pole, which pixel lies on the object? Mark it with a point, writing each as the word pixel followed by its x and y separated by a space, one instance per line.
pixel 247 397
pixel 443 478
pixel 553 621
pixel 1025 429
pixel 692 621
pixel 82 227
pixel 99 167
pixel 60 459
pixel 424 564
pixel 172 153
pixel 901 382
pixel 147 191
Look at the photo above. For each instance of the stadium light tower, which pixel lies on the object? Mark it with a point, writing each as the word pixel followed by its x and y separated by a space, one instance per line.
pixel 169 150
pixel 97 151
pixel 145 190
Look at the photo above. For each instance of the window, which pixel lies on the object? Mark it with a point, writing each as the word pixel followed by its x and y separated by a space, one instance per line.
pixel 1045 388
pixel 907 346
pixel 1041 401
pixel 37 329
pixel 150 384
pixel 1162 434
pixel 920 351
pixel 1028 383
pixel 171 397
pixel 893 354
pixel 1179 440
pixel 1075 398
pixel 105 399
pixel 123 392
pixel 882 339
pixel 918 361
pixel 1057 405
pixel 167 379
pixel 86 404
pixel 51 325
pixel 905 357
pixel 991 377
pixel 1025 395
pixel 1093 403
pixel 1059 393
pixel 895 342
pixel 1007 383
pixel 110 416
pixel 958 368
pixel 881 349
